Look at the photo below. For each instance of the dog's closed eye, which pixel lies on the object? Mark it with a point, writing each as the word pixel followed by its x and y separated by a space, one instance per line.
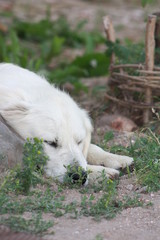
pixel 52 143
pixel 79 142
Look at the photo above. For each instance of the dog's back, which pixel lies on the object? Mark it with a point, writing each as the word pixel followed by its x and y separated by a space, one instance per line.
pixel 17 79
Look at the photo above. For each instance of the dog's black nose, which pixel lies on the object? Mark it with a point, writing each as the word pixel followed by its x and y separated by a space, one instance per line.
pixel 78 176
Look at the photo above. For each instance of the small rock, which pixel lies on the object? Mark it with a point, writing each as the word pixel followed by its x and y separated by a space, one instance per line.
pixel 129 187
pixel 11 150
pixel 142 190
pixel 118 122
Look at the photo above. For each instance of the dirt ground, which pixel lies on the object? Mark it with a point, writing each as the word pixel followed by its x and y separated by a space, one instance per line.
pixel 128 18
pixel 131 224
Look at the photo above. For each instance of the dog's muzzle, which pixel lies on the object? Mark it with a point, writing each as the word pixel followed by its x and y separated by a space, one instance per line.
pixel 78 177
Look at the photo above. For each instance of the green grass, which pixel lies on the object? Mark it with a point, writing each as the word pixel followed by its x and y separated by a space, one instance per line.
pixel 146 154
pixel 34 225
pixel 22 178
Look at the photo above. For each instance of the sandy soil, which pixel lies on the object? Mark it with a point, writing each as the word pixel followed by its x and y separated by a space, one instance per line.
pixel 132 224
pixel 128 18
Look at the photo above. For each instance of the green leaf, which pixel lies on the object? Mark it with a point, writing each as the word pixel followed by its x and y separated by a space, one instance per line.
pixel 108 136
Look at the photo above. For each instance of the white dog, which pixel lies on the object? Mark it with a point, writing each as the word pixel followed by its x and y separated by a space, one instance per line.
pixel 34 108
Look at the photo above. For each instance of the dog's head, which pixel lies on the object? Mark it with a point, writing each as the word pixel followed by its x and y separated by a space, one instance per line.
pixel 63 126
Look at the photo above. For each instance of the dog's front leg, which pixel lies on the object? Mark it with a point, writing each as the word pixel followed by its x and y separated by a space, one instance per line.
pixel 99 160
pixel 97 156
pixel 95 172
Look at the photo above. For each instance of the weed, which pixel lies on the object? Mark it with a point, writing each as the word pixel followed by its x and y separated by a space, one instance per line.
pixel 88 65
pixel 99 237
pixel 10 205
pixel 128 202
pixel 33 225
pixel 146 152
pixel 101 203
pixel 46 29
pixel 108 136
pixel 127 53
pixel 34 160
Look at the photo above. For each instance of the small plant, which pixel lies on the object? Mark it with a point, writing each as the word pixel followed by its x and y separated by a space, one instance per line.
pixel 126 53
pixel 33 225
pixel 88 65
pixel 99 237
pixel 109 136
pixel 146 154
pixel 34 159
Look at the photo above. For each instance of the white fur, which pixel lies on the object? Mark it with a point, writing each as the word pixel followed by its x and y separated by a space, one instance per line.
pixel 34 108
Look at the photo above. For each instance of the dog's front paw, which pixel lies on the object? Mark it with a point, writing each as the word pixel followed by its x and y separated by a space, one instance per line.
pixel 116 161
pixel 125 161
pixel 96 173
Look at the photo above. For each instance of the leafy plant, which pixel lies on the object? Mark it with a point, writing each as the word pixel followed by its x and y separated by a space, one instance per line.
pixel 146 152
pixel 108 136
pixel 126 53
pixel 88 65
pixel 33 225
pixel 14 51
pixel 33 162
pixel 46 29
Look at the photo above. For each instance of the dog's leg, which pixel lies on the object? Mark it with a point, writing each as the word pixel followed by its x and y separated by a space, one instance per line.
pixel 96 171
pixel 97 156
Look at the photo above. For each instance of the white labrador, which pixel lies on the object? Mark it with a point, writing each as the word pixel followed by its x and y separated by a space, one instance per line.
pixel 34 108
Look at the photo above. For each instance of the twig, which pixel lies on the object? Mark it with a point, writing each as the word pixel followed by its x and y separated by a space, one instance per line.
pixel 110 34
pixel 139 66
pixel 153 134
pixel 129 104
pixel 150 46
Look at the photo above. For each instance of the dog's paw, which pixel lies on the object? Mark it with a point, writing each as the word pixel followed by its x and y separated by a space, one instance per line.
pixel 116 161
pixel 96 173
pixel 125 161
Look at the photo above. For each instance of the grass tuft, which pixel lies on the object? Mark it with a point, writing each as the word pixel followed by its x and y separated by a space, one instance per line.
pixel 22 178
pixel 34 225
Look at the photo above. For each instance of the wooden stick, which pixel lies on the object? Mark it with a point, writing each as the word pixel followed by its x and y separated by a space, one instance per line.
pixel 150 46
pixel 142 79
pixel 127 77
pixel 139 66
pixel 157 38
pixel 152 78
pixel 110 34
pixel 134 89
pixel 129 104
pixel 149 72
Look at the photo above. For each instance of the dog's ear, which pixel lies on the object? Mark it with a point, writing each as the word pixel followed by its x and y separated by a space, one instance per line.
pixel 15 112
pixel 89 129
pixel 13 105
